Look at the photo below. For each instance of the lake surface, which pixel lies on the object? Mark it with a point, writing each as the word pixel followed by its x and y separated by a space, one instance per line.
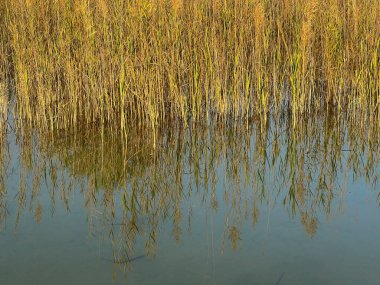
pixel 258 203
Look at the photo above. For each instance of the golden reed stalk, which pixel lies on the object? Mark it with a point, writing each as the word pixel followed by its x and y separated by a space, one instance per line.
pixel 76 62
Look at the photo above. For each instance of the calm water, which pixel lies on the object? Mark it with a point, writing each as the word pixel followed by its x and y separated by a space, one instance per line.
pixel 263 204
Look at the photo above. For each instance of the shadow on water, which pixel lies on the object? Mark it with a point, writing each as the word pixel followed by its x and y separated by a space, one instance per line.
pixel 131 189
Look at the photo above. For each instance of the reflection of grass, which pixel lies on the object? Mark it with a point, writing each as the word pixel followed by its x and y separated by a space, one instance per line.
pixel 108 62
pixel 3 116
pixel 4 152
pixel 134 186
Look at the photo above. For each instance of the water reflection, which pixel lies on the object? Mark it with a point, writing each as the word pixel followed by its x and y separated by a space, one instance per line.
pixel 131 189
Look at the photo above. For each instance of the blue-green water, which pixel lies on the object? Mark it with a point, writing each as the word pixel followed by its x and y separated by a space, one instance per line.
pixel 211 207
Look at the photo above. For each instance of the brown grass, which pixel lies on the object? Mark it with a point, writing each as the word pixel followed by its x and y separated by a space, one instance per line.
pixel 78 62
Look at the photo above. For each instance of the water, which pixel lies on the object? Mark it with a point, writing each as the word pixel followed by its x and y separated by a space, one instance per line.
pixel 218 205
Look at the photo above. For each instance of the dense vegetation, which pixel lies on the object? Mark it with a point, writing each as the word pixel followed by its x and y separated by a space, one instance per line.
pixel 72 62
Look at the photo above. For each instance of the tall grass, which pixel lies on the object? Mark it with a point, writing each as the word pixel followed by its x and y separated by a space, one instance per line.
pixel 80 62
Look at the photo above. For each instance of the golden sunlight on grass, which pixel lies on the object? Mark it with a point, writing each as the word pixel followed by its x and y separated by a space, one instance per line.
pixel 103 62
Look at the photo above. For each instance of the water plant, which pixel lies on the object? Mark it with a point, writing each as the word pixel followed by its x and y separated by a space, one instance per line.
pixel 110 63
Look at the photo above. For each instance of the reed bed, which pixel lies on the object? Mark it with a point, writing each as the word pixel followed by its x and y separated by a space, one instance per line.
pixel 75 63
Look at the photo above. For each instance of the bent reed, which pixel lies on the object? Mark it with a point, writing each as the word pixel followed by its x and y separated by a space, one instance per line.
pixel 80 62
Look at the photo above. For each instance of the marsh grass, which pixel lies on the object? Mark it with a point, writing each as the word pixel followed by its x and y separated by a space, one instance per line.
pixel 140 104
pixel 104 62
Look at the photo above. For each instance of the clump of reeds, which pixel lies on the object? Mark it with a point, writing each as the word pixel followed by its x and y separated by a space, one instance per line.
pixel 109 62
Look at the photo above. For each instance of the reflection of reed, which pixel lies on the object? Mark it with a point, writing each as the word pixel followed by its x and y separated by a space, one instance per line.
pixel 4 154
pixel 134 187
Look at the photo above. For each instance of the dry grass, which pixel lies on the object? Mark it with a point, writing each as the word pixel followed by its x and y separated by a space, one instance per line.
pixel 148 62
pixel 116 70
